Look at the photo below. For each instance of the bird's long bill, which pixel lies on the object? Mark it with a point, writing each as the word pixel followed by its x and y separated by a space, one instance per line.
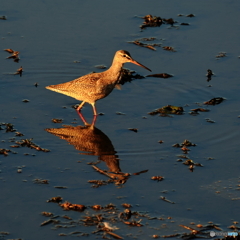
pixel 139 64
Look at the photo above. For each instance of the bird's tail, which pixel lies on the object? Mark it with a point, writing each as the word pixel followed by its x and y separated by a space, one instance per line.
pixel 54 88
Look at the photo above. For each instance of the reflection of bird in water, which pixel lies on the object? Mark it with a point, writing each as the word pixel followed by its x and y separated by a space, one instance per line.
pixel 94 86
pixel 90 140
pixel 93 141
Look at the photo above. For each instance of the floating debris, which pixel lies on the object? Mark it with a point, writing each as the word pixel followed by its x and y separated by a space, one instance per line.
pixel 55 199
pixel 62 234
pixel 120 113
pixel 57 120
pixel 166 200
pixel 221 55
pixel 210 120
pixel 134 223
pixel 119 178
pixel 194 231
pixel 185 149
pixel 157 178
pixel 234 227
pixel 47 214
pixel 209 75
pixel 40 181
pixel 14 146
pixel 70 206
pixel 128 76
pixel 102 226
pixel 8 127
pixel 3 18
pixel 138 173
pixel 171 235
pixel 169 21
pixel 148 39
pixel 19 71
pixel 133 129
pixel 185 143
pixel 190 162
pixel 215 101
pixel 110 218
pixel 126 205
pixel 149 46
pixel 14 54
pixel 18 134
pixel 169 109
pixel 196 110
pixel 113 234
pixel 109 226
pixel 167 48
pixel 125 215
pixel 9 50
pixel 4 151
pixel 198 233
pixel 25 100
pixel 98 183
pixel 30 144
pixel 49 221
pixel 67 217
pixel 150 21
pixel 97 207
pixel 160 75
pixel 190 15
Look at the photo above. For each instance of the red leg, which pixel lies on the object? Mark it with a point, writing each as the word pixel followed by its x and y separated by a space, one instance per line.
pixel 83 119
pixel 80 106
pixel 94 120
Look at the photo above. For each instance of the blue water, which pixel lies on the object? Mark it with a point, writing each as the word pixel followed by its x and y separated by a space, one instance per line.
pixel 60 41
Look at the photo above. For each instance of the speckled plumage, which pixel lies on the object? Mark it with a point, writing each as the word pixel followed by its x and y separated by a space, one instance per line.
pixel 94 86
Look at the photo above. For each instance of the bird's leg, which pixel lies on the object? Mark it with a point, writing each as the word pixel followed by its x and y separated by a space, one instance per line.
pixel 83 119
pixel 94 120
pixel 80 106
pixel 94 109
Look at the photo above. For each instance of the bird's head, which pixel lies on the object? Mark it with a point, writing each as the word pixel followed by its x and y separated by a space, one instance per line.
pixel 124 57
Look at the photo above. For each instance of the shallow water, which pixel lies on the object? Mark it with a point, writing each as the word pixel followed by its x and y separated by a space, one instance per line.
pixel 50 37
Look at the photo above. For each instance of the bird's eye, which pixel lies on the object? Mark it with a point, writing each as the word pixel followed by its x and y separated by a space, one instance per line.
pixel 126 56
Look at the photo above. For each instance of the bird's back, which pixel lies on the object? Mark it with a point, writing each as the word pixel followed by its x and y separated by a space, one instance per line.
pixel 88 88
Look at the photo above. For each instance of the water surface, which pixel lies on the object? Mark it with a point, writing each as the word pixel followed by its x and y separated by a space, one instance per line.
pixel 60 41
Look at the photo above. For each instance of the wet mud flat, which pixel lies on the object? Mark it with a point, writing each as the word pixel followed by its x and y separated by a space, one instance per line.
pixel 160 161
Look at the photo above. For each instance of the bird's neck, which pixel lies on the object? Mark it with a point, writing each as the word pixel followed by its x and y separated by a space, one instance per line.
pixel 116 66
pixel 115 71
